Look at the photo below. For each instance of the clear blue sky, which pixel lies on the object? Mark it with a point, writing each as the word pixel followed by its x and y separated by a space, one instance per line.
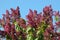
pixel 25 5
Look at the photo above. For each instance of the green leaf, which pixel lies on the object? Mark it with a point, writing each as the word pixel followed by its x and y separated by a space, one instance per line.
pixel 30 37
pixel 8 37
pixel 56 18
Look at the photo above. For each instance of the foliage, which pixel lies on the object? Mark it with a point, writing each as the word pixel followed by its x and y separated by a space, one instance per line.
pixel 36 27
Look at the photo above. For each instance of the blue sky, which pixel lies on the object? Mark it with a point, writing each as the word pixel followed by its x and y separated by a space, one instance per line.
pixel 25 5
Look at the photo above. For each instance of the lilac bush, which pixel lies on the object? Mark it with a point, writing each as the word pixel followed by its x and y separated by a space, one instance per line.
pixel 38 26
